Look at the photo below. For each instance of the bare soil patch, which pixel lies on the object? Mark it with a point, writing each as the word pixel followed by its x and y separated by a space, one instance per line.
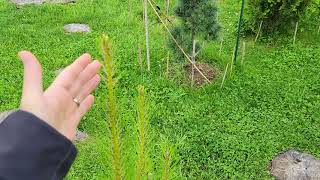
pixel 207 70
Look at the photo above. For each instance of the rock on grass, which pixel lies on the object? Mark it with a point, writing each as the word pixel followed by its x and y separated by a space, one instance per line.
pixel 295 165
pixel 25 2
pixel 77 28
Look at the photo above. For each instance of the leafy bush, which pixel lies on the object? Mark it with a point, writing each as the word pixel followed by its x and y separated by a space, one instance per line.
pixel 278 16
pixel 313 12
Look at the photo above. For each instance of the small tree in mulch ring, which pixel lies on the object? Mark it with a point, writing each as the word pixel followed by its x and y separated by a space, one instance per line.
pixel 198 24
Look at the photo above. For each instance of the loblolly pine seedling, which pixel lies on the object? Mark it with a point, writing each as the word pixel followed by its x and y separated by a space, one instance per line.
pixel 142 167
pixel 112 109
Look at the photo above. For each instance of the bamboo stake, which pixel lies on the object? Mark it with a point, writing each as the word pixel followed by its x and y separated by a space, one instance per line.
pixel 231 66
pixel 260 26
pixel 243 52
pixel 167 4
pixel 142 1
pixel 221 45
pixel 175 41
pixel 295 33
pixel 224 76
pixel 147 31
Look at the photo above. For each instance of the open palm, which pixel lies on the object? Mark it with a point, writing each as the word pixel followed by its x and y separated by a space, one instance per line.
pixel 67 99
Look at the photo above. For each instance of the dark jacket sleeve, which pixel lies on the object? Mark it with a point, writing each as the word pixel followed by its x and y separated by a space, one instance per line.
pixel 30 149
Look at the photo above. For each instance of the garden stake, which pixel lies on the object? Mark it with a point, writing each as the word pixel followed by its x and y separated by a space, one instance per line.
pixel 258 32
pixel 145 5
pixel 295 33
pixel 167 4
pixel 239 31
pixel 232 61
pixel 224 76
pixel 243 52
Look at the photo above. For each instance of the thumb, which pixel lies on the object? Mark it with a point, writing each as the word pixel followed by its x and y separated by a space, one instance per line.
pixel 32 82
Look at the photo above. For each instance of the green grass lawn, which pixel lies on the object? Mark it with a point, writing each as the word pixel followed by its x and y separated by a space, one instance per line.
pixel 269 105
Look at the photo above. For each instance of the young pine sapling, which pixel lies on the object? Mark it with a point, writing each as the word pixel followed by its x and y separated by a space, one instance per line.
pixel 198 23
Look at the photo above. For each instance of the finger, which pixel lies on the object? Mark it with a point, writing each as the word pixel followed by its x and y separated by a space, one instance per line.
pixel 88 73
pixel 32 82
pixel 88 88
pixel 83 108
pixel 70 73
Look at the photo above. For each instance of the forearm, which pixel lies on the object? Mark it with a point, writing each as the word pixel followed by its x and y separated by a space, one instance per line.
pixel 32 149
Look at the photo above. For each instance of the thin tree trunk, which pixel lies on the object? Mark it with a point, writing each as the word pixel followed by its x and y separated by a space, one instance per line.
pixel 193 57
pixel 295 33
pixel 147 32
pixel 260 26
pixel 319 29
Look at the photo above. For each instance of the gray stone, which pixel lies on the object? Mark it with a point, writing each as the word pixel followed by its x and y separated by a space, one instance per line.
pixel 77 28
pixel 81 136
pixel 25 2
pixel 295 165
pixel 5 114
pixel 60 1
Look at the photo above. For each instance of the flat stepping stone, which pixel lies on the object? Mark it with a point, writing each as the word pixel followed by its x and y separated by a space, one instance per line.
pixel 80 136
pixel 77 28
pixel 26 2
pixel 295 165
pixel 60 1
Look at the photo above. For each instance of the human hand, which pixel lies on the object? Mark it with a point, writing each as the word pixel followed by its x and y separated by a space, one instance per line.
pixel 67 99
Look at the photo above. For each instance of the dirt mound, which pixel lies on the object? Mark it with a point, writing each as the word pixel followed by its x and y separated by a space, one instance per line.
pixel 207 70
